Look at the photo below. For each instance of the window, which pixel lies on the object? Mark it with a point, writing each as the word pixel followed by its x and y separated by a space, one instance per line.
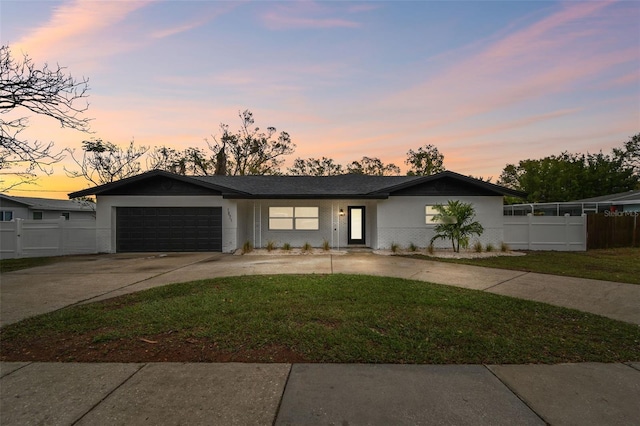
pixel 6 215
pixel 37 216
pixel 289 218
pixel 430 212
pixel 65 215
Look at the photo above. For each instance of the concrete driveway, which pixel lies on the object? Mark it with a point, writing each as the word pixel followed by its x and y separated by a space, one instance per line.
pixel 81 279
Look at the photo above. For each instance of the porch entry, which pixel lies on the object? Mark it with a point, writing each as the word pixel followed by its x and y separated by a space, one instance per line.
pixel 356 218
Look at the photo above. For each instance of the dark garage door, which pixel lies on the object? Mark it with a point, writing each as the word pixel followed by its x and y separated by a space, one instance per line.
pixel 168 229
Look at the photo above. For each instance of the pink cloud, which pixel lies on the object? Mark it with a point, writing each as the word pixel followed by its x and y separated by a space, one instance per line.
pixel 72 25
pixel 306 14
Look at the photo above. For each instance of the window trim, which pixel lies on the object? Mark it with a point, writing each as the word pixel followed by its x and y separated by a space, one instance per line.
pixel 67 215
pixel 4 214
pixel 33 215
pixel 296 220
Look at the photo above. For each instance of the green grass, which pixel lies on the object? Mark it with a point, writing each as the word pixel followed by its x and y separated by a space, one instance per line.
pixel 621 265
pixel 335 318
pixel 9 265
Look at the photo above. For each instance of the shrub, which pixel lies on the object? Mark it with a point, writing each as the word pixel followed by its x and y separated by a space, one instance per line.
pixel 394 247
pixel 477 247
pixel 504 247
pixel 325 245
pixel 489 247
pixel 306 247
pixel 271 245
pixel 455 222
pixel 247 247
pixel 286 246
pixel 412 247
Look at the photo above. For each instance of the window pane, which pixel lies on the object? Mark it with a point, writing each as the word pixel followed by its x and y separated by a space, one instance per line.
pixel 356 224
pixel 306 223
pixel 66 215
pixel 278 223
pixel 37 215
pixel 280 212
pixel 306 212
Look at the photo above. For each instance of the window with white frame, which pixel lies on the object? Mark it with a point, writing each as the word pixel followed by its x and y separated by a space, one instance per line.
pixel 290 218
pixel 430 212
pixel 6 215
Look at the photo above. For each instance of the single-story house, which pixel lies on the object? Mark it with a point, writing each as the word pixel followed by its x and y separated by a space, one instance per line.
pixel 31 208
pixel 161 211
pixel 614 203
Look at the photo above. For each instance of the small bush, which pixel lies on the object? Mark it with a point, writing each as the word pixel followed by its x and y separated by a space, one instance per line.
pixel 412 247
pixel 394 248
pixel 477 247
pixel 325 245
pixel 430 249
pixel 247 247
pixel 307 247
pixel 271 245
pixel 286 247
pixel 489 247
pixel 504 247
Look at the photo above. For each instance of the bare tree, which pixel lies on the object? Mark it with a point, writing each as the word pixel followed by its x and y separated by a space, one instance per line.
pixel 103 162
pixel 373 166
pixel 47 91
pixel 250 151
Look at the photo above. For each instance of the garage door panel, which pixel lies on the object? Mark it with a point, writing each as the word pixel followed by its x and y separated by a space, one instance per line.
pixel 168 229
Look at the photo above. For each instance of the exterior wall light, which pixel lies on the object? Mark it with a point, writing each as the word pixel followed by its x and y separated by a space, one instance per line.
pixel 341 212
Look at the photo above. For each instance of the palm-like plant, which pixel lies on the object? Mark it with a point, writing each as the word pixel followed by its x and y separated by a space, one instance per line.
pixel 456 222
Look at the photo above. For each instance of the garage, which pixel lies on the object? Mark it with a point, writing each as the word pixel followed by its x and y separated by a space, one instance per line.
pixel 152 229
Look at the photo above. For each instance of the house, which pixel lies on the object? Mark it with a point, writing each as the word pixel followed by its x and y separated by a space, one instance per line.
pixel 44 208
pixel 161 211
pixel 615 203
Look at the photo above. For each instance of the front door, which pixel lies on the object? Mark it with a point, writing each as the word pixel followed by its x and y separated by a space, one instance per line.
pixel 356 225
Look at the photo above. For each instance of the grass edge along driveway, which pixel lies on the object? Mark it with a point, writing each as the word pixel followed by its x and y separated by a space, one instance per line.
pixel 319 318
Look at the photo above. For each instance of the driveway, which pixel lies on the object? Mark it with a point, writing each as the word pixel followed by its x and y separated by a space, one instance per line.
pixel 81 279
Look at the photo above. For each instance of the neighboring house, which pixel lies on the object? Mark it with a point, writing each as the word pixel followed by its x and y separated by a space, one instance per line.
pixel 43 208
pixel 161 211
pixel 619 203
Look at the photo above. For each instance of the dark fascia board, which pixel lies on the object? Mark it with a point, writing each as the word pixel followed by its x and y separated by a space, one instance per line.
pixel 8 197
pixel 476 182
pixel 97 190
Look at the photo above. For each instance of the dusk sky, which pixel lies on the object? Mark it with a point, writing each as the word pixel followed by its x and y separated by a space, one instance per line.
pixel 487 82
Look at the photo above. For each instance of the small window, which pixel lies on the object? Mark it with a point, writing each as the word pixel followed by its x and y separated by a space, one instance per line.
pixel 65 215
pixel 289 218
pixel 6 215
pixel 37 216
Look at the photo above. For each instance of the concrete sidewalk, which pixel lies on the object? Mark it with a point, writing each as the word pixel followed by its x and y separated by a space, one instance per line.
pixel 318 394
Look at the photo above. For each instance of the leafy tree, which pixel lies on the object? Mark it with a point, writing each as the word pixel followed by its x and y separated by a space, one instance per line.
pixel 250 151
pixel 103 162
pixel 630 154
pixel 426 161
pixel 47 91
pixel 456 223
pixel 373 166
pixel 191 161
pixel 568 177
pixel 315 167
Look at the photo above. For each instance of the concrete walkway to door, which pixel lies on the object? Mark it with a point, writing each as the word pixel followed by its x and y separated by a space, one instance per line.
pixel 83 279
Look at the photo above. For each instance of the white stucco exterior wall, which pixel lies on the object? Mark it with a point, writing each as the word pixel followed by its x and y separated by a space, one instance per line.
pixel 106 215
pixel 401 220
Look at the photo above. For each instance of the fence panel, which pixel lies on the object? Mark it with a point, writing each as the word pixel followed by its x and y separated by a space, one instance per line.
pixel 564 233
pixel 40 238
pixel 611 230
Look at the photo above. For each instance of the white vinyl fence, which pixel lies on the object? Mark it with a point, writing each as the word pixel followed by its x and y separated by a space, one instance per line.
pixel 40 238
pixel 560 233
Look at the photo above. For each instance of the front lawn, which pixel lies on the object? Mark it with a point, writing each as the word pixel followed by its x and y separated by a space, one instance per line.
pixel 620 265
pixel 319 318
